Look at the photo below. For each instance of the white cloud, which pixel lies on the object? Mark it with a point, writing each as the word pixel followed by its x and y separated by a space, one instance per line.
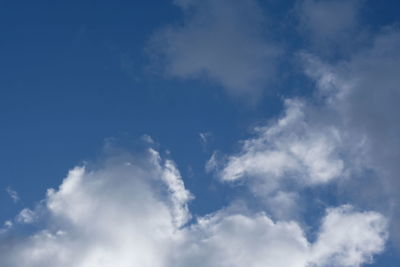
pixel 224 41
pixel 26 216
pixel 299 149
pixel 119 215
pixel 6 227
pixel 284 205
pixel 242 240
pixel 349 238
pixel 348 130
pixel 148 139
pixel 178 194
pixel 292 147
pixel 204 137
pixel 212 164
pixel 224 240
pixel 13 194
pixel 363 92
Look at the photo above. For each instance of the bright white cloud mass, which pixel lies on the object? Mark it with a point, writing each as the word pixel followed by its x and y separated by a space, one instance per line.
pixel 133 212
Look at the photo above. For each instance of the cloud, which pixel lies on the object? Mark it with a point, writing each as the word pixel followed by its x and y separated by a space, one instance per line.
pixel 224 41
pixel 364 93
pixel 205 137
pixel 124 213
pixel 13 194
pixel 133 211
pixel 26 216
pixel 293 152
pixel 242 240
pixel 290 147
pixel 346 134
pixel 297 151
pixel 333 24
pixel 6 227
pixel 335 247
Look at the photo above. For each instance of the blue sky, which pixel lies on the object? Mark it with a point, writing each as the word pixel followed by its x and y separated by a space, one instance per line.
pixel 230 132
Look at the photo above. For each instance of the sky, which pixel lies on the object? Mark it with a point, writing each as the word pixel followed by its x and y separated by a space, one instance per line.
pixel 219 133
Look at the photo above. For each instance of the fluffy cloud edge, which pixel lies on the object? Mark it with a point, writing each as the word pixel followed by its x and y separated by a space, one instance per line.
pixel 134 212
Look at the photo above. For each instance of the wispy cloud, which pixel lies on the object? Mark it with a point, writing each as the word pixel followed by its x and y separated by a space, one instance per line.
pixel 13 194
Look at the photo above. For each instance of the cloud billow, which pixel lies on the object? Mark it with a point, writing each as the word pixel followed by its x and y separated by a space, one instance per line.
pixel 134 212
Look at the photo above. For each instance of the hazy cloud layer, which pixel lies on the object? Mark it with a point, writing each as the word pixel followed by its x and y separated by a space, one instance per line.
pixel 331 26
pixel 224 41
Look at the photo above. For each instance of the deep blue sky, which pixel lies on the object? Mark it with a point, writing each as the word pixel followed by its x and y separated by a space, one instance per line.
pixel 74 74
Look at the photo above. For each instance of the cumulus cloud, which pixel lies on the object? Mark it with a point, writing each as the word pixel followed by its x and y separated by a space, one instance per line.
pixel 293 152
pixel 335 247
pixel 134 212
pixel 290 147
pixel 223 41
pixel 122 214
pixel 243 240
